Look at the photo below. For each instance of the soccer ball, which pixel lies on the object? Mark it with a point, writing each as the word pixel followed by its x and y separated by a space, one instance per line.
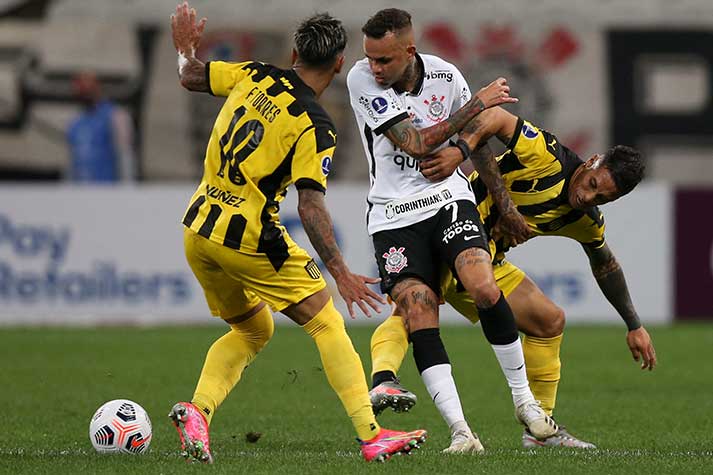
pixel 120 426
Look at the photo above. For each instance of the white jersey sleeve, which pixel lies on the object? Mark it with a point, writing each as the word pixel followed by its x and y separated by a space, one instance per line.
pixel 463 91
pixel 379 107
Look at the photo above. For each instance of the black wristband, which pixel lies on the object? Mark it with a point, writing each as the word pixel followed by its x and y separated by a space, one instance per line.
pixel 464 149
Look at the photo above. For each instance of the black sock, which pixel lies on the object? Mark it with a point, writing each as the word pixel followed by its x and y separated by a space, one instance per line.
pixel 428 349
pixel 381 377
pixel 498 323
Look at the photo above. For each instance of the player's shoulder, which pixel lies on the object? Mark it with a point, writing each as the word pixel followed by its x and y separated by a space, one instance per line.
pixel 431 61
pixel 360 75
pixel 596 215
pixel 252 67
pixel 314 110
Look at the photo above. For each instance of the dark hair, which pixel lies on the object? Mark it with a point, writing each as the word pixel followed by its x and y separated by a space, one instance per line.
pixel 383 21
pixel 320 39
pixel 626 167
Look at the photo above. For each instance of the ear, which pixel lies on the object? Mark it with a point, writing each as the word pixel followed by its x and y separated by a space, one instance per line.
pixel 339 64
pixel 294 56
pixel 411 50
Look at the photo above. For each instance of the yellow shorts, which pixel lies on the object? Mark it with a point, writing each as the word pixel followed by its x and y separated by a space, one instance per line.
pixel 508 276
pixel 234 281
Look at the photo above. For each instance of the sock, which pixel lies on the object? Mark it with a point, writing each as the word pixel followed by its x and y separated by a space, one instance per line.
pixel 228 357
pixel 512 363
pixel 435 368
pixel 498 322
pixel 542 356
pixel 499 327
pixel 461 426
pixel 382 377
pixel 343 368
pixel 442 389
pixel 389 345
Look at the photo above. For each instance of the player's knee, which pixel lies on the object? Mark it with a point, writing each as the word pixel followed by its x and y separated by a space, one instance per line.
pixel 550 324
pixel 486 294
pixel 418 308
pixel 265 330
pixel 258 329
pixel 556 324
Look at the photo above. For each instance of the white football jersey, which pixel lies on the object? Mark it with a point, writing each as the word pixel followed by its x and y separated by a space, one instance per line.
pixel 399 194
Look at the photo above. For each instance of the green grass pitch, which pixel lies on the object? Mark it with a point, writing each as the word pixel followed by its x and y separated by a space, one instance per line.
pixel 52 380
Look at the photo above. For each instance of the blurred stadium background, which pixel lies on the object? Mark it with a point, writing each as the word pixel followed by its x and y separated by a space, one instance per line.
pixel 594 73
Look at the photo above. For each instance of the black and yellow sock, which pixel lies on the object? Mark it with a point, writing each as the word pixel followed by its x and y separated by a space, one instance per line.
pixel 228 357
pixel 542 359
pixel 389 345
pixel 343 368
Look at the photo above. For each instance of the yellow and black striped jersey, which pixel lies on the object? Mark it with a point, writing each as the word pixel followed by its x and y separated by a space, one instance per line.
pixel 536 170
pixel 270 132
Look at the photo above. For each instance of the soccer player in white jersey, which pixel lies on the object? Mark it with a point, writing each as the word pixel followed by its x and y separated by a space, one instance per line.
pixel 408 105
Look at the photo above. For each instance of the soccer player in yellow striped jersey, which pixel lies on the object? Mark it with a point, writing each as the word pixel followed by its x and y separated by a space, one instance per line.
pixel 558 195
pixel 271 132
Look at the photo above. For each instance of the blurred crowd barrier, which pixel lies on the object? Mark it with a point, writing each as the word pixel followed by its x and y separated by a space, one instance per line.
pixel 594 73
pixel 108 255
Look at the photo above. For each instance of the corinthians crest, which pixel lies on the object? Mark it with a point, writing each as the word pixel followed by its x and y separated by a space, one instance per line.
pixel 395 260
pixel 436 109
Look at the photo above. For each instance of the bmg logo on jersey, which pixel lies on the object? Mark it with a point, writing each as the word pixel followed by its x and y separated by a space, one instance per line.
pixel 460 227
pixel 380 104
pixel 440 74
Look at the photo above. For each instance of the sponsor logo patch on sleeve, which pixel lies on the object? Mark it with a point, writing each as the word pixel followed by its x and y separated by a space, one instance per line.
pixel 380 104
pixel 529 131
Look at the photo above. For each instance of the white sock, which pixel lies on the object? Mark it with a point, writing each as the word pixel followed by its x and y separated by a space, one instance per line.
pixel 461 426
pixel 512 363
pixel 442 388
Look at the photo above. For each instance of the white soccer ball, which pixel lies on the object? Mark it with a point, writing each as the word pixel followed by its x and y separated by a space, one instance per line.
pixel 120 426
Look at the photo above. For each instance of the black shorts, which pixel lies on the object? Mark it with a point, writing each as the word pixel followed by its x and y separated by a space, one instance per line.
pixel 421 250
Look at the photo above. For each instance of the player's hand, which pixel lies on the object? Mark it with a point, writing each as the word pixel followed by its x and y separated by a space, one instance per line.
pixel 441 164
pixel 641 347
pixel 496 93
pixel 186 33
pixel 353 289
pixel 512 227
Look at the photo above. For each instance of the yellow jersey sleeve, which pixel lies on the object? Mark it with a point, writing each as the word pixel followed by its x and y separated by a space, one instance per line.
pixel 530 144
pixel 222 77
pixel 312 161
pixel 588 230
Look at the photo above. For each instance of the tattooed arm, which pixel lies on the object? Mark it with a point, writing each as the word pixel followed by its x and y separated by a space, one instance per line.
pixel 493 121
pixel 186 38
pixel 317 224
pixel 610 277
pixel 497 121
pixel 420 142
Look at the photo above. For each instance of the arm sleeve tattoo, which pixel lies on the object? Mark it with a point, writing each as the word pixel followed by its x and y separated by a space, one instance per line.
pixel 610 277
pixel 419 143
pixel 485 164
pixel 318 225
